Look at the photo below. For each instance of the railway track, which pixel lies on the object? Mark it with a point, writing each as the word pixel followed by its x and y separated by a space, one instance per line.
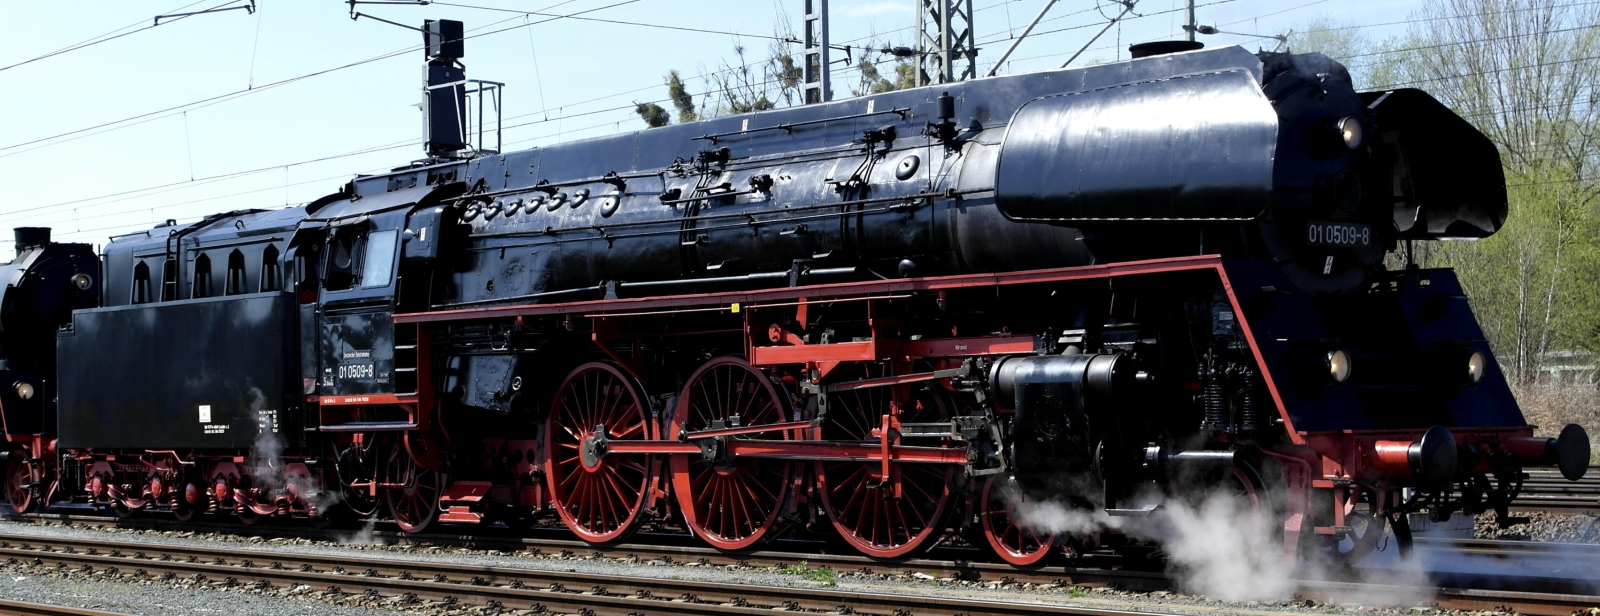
pixel 24 608
pixel 474 584
pixel 1546 490
pixel 508 588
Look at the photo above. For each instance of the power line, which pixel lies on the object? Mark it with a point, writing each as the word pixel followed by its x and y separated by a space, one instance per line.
pixel 620 22
pixel 403 144
pixel 206 102
pixel 1481 73
pixel 1296 8
pixel 1091 25
pixel 180 185
pixel 110 36
pixel 1469 42
pixel 1445 18
pixel 206 180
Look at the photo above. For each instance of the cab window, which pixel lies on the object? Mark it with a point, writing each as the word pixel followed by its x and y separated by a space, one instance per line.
pixel 378 263
pixel 342 266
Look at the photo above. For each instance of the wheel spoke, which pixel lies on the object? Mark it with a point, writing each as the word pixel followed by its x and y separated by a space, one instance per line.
pixel 884 521
pixel 731 503
pixel 601 503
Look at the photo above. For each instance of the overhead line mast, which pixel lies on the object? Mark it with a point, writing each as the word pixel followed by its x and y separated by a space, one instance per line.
pixel 945 42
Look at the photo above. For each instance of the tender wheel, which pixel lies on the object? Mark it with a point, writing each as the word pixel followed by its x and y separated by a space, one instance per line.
pixel 189 501
pixel 884 516
pixel 731 503
pixel 599 496
pixel 19 484
pixel 415 504
pixel 1011 541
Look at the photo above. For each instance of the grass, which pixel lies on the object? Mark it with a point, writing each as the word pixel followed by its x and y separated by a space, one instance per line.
pixel 1077 591
pixel 823 575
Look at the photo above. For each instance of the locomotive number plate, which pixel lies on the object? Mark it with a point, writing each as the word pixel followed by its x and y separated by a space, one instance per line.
pixel 1320 233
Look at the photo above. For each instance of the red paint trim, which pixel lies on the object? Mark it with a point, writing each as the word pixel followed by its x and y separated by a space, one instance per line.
pixel 1261 360
pixel 598 308
pixel 967 347
pixel 365 399
pixel 843 351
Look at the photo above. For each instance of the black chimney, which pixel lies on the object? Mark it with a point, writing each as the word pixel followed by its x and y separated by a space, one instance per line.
pixel 30 237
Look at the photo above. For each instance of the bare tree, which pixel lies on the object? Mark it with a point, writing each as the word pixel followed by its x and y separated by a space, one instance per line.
pixel 1525 73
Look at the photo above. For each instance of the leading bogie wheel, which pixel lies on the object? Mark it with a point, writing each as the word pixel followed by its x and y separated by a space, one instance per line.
pixel 1000 509
pixel 600 496
pixel 884 515
pixel 732 503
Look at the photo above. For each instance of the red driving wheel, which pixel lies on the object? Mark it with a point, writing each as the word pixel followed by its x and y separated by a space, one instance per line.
pixel 884 515
pixel 599 495
pixel 732 503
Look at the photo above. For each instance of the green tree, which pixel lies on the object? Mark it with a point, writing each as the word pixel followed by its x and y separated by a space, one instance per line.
pixel 654 116
pixel 681 98
pixel 1523 72
pixel 873 81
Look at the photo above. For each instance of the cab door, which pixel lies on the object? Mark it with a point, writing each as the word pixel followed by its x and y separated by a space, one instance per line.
pixel 357 271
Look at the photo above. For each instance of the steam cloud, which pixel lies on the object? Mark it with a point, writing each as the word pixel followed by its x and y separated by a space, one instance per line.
pixel 267 453
pixel 1222 546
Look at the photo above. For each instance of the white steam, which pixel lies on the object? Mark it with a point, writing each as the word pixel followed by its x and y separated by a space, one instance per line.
pixel 360 536
pixel 1223 546
pixel 272 475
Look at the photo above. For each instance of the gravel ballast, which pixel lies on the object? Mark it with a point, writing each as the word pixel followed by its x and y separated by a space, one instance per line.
pixel 146 596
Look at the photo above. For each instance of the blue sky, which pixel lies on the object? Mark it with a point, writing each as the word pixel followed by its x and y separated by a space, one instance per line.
pixel 567 80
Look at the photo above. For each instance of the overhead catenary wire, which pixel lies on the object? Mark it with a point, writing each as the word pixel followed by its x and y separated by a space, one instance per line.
pixel 623 23
pixel 1443 18
pixel 395 145
pixel 112 35
pixel 212 100
pixel 401 144
pixel 167 112
pixel 596 111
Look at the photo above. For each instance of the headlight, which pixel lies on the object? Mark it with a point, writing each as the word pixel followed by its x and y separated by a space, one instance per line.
pixel 1338 365
pixel 83 281
pixel 24 390
pixel 1477 364
pixel 1351 132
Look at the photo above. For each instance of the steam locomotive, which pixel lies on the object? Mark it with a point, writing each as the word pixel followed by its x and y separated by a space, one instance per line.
pixel 889 318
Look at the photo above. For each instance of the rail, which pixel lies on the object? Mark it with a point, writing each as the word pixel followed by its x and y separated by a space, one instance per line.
pixel 1094 571
pixel 24 608
pixel 500 587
